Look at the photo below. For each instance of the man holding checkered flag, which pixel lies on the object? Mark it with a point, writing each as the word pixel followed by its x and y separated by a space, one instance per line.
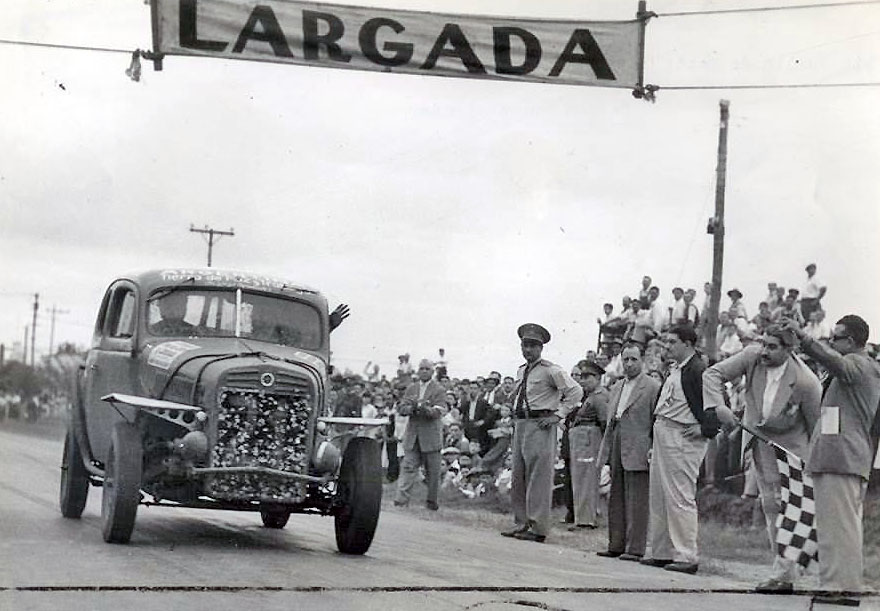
pixel 782 408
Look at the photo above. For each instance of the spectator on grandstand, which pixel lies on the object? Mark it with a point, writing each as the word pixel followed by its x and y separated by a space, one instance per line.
pixel 772 297
pixel 813 292
pixel 404 370
pixel 727 338
pixel 818 328
pixel 644 292
pixel 641 329
pixel 764 317
pixel 678 306
pixel 504 393
pixel 615 365
pixel 452 413
pixel 789 310
pixel 607 309
pixel 659 313
pixel 442 364
pixel 737 308
pixel 691 313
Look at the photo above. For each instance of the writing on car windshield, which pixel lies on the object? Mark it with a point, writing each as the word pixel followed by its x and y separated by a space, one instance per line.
pixel 212 313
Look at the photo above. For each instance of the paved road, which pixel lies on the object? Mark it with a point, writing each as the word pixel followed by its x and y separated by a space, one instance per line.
pixel 197 559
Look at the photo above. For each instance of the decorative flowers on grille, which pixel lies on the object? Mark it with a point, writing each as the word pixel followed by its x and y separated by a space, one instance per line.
pixel 255 428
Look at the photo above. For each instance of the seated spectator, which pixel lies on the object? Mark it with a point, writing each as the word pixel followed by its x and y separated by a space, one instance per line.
pixel 452 415
pixel 764 317
pixel 789 310
pixel 818 328
pixel 641 329
pixel 455 437
pixel 737 309
pixel 727 339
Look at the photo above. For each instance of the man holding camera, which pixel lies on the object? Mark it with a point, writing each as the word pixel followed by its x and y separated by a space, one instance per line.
pixel 423 402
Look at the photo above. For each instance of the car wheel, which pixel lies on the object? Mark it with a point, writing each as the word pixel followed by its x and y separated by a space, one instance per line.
pixel 274 518
pixel 74 478
pixel 359 496
pixel 122 482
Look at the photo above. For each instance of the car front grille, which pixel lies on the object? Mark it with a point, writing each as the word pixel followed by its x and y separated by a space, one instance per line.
pixel 284 382
pixel 257 428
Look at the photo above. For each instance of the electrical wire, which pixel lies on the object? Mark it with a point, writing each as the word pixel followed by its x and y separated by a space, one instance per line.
pixel 47 45
pixel 765 86
pixel 764 9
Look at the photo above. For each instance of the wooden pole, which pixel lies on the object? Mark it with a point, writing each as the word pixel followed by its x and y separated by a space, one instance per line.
pixel 716 228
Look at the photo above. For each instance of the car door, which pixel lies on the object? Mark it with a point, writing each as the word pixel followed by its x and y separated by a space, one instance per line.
pixel 111 366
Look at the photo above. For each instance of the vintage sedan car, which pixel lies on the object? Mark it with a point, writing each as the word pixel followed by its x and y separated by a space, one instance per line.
pixel 209 388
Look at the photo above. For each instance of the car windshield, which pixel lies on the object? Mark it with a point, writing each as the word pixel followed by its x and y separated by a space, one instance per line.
pixel 186 312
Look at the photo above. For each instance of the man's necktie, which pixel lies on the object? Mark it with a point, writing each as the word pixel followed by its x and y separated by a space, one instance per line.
pixel 522 403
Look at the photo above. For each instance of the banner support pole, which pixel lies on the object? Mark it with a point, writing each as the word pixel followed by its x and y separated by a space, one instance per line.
pixel 155 55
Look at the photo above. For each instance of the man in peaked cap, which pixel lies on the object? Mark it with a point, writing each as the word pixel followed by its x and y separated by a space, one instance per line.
pixel 423 402
pixel 544 394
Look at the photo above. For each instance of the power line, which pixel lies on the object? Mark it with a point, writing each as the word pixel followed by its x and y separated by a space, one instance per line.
pixel 26 43
pixel 766 86
pixel 764 9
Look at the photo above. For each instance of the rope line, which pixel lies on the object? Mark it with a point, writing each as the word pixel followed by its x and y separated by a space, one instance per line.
pixel 47 45
pixel 765 86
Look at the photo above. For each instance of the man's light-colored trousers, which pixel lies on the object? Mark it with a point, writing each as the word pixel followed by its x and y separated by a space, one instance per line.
pixel 675 465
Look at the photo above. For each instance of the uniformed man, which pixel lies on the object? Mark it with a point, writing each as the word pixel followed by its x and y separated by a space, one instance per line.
pixel 585 427
pixel 545 393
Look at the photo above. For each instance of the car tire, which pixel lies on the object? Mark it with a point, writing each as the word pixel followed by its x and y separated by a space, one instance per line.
pixel 122 482
pixel 74 488
pixel 359 496
pixel 274 518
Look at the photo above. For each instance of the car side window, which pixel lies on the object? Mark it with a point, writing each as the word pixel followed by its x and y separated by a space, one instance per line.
pixel 122 314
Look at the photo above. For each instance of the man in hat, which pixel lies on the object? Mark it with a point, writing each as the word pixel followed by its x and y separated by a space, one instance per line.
pixel 585 426
pixel 423 402
pixel 782 404
pixel 737 308
pixel 814 291
pixel 789 310
pixel 545 393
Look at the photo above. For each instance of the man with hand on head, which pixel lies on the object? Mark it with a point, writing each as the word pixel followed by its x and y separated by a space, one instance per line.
pixel 423 402
pixel 545 393
pixel 782 404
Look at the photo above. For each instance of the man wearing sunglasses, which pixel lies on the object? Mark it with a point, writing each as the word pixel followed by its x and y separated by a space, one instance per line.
pixel 841 453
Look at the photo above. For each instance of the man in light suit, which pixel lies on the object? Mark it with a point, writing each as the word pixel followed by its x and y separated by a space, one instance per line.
pixel 782 403
pixel 841 449
pixel 625 448
pixel 423 402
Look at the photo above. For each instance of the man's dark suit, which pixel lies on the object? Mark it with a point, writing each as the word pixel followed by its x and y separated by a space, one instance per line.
pixel 625 448
pixel 476 428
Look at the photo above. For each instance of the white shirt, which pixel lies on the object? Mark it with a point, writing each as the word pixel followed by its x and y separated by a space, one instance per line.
pixel 678 310
pixel 672 403
pixel 812 288
pixel 625 392
pixel 423 386
pixel 774 376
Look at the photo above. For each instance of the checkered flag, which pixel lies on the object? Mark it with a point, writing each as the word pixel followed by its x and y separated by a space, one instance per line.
pixel 796 522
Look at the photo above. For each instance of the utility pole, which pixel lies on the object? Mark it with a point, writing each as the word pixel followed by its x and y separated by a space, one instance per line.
pixel 53 311
pixel 716 228
pixel 24 346
pixel 34 327
pixel 211 233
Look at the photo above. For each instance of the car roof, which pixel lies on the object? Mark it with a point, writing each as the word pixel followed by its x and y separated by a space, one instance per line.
pixel 150 280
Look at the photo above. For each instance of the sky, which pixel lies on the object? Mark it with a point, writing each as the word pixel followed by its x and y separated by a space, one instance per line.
pixel 446 212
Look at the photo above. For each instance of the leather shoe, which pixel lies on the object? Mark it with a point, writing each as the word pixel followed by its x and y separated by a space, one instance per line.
pixel 608 554
pixel 567 520
pixel 658 562
pixel 528 535
pixel 775 586
pixel 432 505
pixel 400 504
pixel 514 531
pixel 578 527
pixel 630 557
pixel 682 567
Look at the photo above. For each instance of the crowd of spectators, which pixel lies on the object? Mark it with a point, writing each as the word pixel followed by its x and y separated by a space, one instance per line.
pixel 477 425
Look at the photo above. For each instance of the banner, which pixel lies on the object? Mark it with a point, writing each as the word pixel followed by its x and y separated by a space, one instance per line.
pixel 597 53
